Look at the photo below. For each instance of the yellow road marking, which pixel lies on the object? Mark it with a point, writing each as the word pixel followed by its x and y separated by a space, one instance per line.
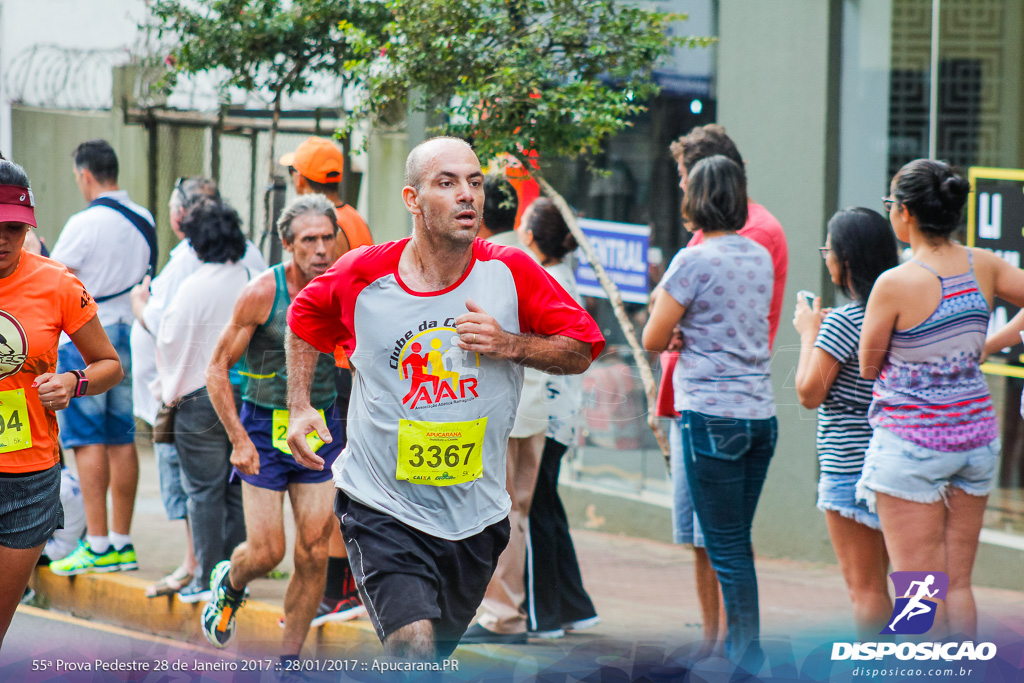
pixel 114 630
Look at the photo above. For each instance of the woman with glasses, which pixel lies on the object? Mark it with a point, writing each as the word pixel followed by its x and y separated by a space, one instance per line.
pixel 719 295
pixel 933 454
pixel 860 246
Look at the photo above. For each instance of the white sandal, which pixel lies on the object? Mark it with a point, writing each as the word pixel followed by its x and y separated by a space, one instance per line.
pixel 170 584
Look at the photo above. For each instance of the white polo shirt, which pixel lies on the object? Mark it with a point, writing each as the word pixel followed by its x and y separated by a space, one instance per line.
pixel 107 253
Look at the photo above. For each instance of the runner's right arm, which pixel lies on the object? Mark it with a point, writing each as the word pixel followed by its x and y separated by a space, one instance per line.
pixel 252 308
pixel 302 417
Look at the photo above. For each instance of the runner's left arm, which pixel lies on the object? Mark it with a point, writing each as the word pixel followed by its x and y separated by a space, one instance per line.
pixel 555 334
pixel 554 354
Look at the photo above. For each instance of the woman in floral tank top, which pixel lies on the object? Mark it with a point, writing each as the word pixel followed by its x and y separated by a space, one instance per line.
pixel 933 455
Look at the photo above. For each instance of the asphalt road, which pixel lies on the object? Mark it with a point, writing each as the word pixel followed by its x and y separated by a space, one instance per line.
pixel 44 646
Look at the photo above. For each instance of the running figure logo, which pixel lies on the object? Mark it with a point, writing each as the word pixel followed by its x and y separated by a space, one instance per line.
pixel 438 370
pixel 914 612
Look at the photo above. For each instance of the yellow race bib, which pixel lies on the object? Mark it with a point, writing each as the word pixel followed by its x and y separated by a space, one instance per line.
pixel 15 432
pixel 440 453
pixel 280 433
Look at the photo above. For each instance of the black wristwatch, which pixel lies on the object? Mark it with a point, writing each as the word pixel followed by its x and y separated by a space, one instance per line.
pixel 81 384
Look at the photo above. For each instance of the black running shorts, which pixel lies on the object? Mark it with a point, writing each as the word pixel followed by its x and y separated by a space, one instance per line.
pixel 405 575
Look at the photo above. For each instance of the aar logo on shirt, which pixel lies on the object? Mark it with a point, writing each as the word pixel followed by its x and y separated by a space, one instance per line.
pixel 917 596
pixel 13 345
pixel 438 370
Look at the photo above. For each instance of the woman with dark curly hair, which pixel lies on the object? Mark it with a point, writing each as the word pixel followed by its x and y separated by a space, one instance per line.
pixel 188 332
pixel 932 457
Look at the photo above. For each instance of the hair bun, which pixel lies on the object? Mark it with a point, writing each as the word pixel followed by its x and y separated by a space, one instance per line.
pixel 954 187
pixel 570 243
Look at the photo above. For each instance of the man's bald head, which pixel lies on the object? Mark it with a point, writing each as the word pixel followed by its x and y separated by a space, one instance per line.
pixel 418 161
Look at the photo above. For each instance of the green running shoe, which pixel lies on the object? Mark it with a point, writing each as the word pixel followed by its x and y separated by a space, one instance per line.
pixel 83 560
pixel 126 559
pixel 218 618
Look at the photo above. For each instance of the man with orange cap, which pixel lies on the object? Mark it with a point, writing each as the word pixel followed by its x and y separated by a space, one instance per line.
pixel 316 167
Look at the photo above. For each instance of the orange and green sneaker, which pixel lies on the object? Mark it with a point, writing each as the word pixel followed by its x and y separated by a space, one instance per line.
pixel 82 559
pixel 218 618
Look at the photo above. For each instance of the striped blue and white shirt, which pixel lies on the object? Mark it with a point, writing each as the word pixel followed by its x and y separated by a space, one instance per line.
pixel 843 429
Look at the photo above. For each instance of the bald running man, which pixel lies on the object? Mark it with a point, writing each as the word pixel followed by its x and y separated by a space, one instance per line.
pixel 421 482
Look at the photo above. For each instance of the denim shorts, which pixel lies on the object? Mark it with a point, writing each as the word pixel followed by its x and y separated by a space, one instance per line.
pixel 838 493
pixel 685 525
pixel 106 418
pixel 30 509
pixel 906 470
pixel 171 491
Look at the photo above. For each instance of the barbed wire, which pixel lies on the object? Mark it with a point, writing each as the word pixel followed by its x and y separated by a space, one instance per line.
pixel 58 77
pixel 65 78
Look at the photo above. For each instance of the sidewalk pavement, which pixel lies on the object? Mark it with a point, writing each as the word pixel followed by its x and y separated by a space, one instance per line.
pixel 643 591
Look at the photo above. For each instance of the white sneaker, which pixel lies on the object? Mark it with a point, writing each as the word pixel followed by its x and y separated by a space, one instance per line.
pixel 192 594
pixel 550 634
pixel 582 624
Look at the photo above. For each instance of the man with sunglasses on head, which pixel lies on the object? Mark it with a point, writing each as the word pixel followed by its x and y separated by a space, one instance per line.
pixel 149 300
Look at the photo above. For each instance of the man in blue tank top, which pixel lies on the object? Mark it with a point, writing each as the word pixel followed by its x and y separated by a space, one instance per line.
pixel 261 457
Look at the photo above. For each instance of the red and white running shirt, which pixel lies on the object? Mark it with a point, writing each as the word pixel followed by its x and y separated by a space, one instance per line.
pixel 428 423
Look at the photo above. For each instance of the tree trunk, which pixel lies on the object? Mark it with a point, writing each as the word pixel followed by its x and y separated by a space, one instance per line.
pixel 275 188
pixel 639 355
pixel 275 121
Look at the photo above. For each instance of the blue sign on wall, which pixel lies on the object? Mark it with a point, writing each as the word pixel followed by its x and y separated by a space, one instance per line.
pixel 622 250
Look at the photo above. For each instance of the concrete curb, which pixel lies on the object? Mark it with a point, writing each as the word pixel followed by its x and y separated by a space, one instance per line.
pixel 120 600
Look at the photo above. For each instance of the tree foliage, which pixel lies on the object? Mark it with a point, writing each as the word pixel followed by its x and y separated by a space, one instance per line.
pixel 276 45
pixel 558 76
pixel 535 79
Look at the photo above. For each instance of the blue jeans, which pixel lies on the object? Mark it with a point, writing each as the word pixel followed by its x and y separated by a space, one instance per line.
pixel 726 463
pixel 685 525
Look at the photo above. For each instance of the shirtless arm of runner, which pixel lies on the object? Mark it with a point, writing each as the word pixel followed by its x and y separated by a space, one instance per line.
pixel 252 309
pixel 555 355
pixel 302 417
pixel 103 368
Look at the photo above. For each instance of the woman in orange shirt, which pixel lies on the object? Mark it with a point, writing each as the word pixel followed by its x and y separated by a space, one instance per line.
pixel 39 299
